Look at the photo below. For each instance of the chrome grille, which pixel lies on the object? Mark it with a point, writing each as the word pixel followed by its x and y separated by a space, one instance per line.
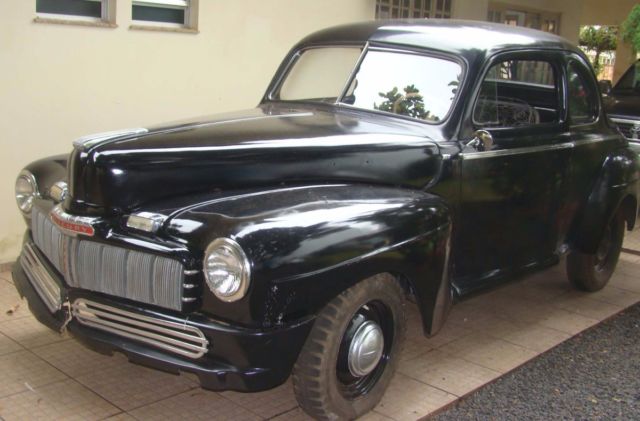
pixel 108 269
pixel 42 282
pixel 178 338
pixel 626 127
pixel 48 238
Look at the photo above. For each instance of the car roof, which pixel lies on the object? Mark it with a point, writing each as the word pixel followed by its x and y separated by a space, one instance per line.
pixel 464 37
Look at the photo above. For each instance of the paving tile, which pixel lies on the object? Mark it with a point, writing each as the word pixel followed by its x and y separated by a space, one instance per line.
pixel 30 333
pixel 374 416
pixel 617 296
pixel 7 345
pixel 196 404
pixel 626 282
pixel 493 353
pixel 61 400
pixel 446 372
pixel 294 415
pixel 266 404
pixel 6 275
pixel 409 399
pixel 23 370
pixel 415 343
pixel 75 360
pixel 449 333
pixel 566 321
pixel 131 386
pixel 11 305
pixel 582 303
pixel 123 416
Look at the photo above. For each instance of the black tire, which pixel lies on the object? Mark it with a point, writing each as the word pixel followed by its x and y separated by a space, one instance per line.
pixel 323 387
pixel 591 272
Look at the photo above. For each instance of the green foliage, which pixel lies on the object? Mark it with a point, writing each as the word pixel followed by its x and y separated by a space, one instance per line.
pixel 410 104
pixel 599 39
pixel 631 28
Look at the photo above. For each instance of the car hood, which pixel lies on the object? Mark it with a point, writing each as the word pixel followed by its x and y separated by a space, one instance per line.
pixel 623 104
pixel 270 145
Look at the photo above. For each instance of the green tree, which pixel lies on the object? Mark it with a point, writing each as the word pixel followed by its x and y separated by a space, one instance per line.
pixel 631 28
pixel 410 104
pixel 599 39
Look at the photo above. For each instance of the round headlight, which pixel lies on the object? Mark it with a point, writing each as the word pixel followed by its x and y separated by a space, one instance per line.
pixel 226 269
pixel 26 191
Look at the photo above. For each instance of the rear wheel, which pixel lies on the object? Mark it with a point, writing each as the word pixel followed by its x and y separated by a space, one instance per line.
pixel 352 351
pixel 591 272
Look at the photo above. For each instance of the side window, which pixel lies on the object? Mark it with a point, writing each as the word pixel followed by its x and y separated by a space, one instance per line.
pixel 583 102
pixel 516 93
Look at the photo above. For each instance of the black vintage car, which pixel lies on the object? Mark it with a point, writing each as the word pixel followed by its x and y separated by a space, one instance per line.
pixel 622 104
pixel 421 160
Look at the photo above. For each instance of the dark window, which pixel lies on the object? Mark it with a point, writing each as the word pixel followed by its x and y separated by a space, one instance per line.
pixel 417 9
pixel 631 78
pixel 583 103
pixel 158 14
pixel 87 8
pixel 517 93
pixel 161 11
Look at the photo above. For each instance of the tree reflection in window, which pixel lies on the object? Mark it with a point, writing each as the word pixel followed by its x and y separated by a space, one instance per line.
pixel 410 104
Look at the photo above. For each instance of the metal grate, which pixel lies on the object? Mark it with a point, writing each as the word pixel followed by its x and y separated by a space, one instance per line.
pixel 627 128
pixel 42 282
pixel 178 338
pixel 108 269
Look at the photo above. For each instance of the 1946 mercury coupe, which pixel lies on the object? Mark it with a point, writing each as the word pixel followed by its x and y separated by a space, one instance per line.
pixel 421 160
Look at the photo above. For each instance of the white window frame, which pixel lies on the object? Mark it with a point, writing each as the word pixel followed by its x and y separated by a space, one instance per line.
pixel 190 8
pixel 107 16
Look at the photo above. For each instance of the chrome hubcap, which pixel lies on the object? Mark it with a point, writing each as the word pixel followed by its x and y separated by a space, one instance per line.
pixel 365 349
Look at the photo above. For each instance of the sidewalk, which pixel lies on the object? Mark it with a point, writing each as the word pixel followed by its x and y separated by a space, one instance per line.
pixel 49 376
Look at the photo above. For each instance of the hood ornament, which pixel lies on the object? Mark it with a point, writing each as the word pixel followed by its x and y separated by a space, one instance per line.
pixel 92 140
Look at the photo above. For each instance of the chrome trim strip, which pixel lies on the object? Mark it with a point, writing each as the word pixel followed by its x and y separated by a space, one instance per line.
pixel 178 338
pixel 98 138
pixel 191 272
pixel 73 225
pixel 624 120
pixel 517 151
pixel 40 279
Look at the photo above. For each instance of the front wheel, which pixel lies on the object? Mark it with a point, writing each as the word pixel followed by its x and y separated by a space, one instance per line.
pixel 591 272
pixel 352 351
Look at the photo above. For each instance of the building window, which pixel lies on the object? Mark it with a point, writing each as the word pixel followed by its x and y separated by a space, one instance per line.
pixel 96 11
pixel 167 13
pixel 518 16
pixel 417 9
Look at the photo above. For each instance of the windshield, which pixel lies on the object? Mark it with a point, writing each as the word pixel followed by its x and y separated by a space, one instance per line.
pixel 631 78
pixel 402 83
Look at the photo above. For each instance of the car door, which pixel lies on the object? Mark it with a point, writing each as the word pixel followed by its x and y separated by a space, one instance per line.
pixel 511 193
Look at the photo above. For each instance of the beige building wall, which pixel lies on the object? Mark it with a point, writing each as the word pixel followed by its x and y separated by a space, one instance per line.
pixel 60 81
pixel 63 81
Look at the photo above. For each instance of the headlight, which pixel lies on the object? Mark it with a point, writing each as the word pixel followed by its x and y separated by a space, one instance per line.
pixel 26 191
pixel 226 269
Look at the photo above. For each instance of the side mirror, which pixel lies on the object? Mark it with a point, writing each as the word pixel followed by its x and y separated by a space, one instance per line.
pixel 605 86
pixel 482 141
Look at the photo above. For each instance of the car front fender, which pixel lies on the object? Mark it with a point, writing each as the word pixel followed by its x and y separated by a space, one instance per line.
pixel 308 244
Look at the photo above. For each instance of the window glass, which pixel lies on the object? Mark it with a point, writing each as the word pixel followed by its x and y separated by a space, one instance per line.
pixel 407 84
pixel 162 11
pixel 583 102
pixel 517 93
pixel 412 85
pixel 320 74
pixel 631 78
pixel 87 8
